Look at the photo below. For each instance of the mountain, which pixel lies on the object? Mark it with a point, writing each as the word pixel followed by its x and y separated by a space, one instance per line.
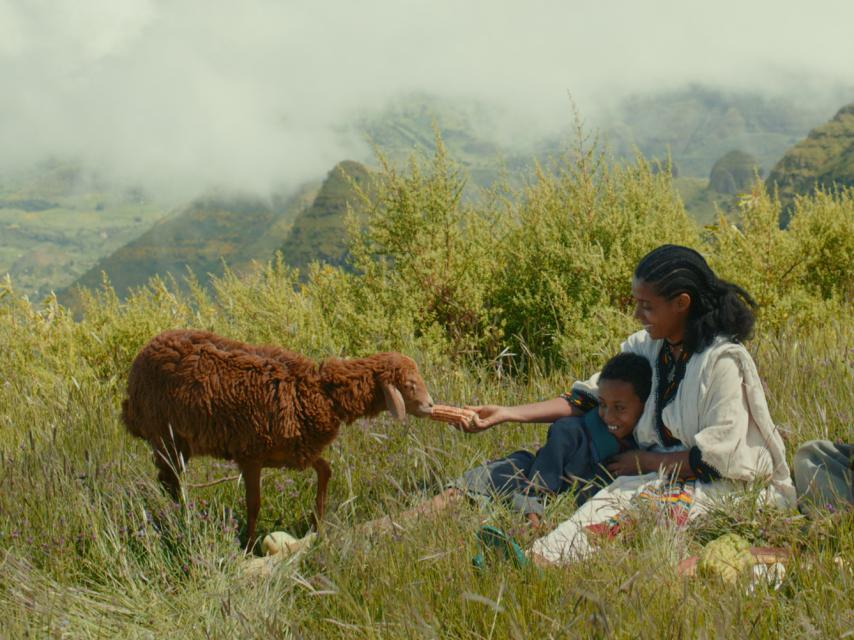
pixel 697 125
pixel 234 229
pixel 825 158
pixel 734 173
pixel 64 221
pixel 319 231
pixel 469 131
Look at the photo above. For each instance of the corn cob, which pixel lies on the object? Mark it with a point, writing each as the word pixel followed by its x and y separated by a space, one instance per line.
pixel 452 415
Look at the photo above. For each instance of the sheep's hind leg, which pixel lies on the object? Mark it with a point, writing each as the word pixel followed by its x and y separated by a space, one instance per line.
pixel 252 478
pixel 324 472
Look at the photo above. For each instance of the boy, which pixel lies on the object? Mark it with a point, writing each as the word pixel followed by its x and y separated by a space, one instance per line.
pixel 575 447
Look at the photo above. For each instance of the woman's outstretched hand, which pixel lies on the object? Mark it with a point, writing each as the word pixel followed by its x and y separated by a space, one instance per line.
pixel 487 415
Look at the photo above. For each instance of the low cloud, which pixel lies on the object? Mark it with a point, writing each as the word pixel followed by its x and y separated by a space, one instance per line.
pixel 185 96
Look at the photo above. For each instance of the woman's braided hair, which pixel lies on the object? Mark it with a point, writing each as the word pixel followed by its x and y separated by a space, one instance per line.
pixel 717 308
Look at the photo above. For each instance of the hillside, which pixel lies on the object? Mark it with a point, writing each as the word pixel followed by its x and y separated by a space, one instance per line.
pixel 695 126
pixel 731 175
pixel 734 173
pixel 318 232
pixel 701 202
pixel 698 125
pixel 825 158
pixel 469 130
pixel 698 128
pixel 200 237
pixel 56 221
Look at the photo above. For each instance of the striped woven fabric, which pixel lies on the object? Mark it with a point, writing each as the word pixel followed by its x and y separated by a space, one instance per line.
pixel 671 501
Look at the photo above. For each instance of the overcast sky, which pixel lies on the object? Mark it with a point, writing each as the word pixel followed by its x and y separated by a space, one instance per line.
pixel 183 95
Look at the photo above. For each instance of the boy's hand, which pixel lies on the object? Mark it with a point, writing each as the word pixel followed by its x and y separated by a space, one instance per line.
pixel 488 415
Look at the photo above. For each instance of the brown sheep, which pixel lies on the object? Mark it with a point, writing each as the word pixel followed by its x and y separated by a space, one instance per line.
pixel 193 393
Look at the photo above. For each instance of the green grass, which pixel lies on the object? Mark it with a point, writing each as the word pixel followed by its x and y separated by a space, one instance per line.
pixel 90 547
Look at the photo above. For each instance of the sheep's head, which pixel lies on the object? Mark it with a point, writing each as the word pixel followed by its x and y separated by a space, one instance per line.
pixel 403 387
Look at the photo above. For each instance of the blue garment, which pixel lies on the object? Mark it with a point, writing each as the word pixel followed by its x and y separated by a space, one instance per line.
pixel 572 457
pixel 603 443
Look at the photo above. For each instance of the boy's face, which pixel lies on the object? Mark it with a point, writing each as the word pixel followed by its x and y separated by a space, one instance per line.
pixel 619 406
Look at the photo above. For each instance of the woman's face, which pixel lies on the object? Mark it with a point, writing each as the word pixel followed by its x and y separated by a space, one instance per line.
pixel 662 318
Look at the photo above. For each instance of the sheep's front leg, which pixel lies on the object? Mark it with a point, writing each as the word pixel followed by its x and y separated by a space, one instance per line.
pixel 252 478
pixel 324 471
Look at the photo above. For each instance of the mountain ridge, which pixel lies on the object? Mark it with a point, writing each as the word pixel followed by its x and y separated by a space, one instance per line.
pixel 824 159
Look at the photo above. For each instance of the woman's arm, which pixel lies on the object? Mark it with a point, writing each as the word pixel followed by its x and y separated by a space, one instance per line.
pixel 630 463
pixel 726 444
pixel 546 411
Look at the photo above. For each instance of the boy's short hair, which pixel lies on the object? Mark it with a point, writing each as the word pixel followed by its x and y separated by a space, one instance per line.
pixel 631 368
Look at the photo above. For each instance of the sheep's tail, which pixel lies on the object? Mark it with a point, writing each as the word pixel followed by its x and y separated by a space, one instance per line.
pixel 127 418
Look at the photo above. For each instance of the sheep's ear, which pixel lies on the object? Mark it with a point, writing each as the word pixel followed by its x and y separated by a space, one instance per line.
pixel 394 401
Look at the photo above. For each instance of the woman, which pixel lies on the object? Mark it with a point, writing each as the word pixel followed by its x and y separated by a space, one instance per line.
pixel 706 418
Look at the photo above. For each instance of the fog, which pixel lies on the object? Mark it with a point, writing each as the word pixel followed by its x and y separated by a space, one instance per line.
pixel 186 95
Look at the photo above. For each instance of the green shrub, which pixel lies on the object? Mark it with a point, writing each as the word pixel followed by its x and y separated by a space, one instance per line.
pixel 575 237
pixel 428 258
pixel 802 274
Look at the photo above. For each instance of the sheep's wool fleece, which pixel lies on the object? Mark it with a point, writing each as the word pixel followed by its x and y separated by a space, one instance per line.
pixel 694 416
